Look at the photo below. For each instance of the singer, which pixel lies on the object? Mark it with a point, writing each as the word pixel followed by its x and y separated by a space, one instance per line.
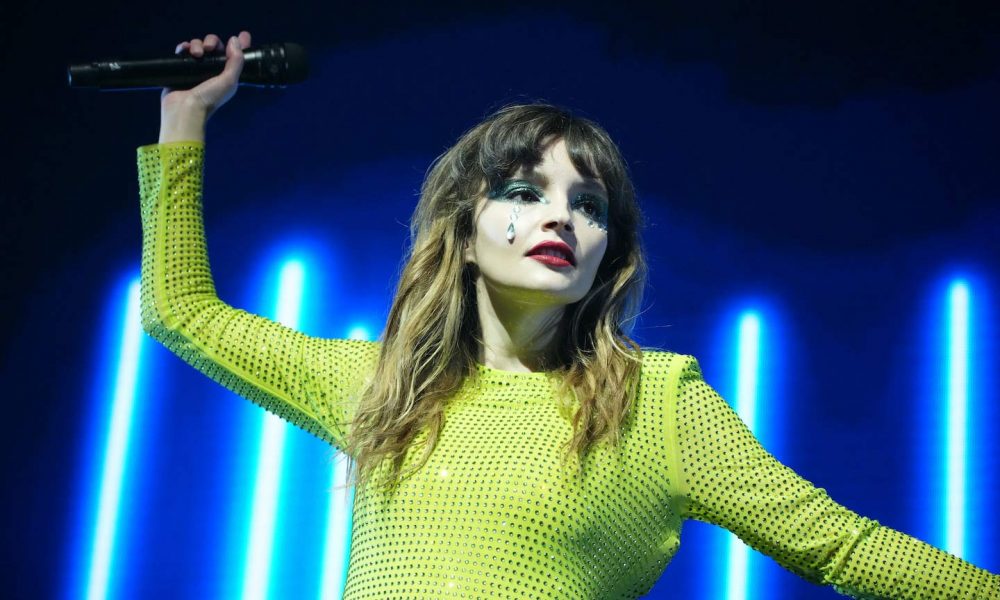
pixel 510 440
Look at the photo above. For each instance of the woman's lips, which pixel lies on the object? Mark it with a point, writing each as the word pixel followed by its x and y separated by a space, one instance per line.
pixel 552 261
pixel 555 248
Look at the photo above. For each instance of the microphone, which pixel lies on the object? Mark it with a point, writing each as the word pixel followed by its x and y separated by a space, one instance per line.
pixel 271 65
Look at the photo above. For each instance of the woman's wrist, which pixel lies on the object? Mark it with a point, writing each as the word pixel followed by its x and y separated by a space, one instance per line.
pixel 183 124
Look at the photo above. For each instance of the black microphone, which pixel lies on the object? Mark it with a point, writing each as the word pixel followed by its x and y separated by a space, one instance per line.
pixel 271 65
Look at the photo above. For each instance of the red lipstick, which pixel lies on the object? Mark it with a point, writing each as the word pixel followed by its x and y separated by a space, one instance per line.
pixel 550 252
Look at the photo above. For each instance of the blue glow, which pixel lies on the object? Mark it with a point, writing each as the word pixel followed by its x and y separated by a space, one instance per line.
pixel 359 332
pixel 748 365
pixel 955 469
pixel 957 418
pixel 336 549
pixel 267 486
pixel 116 448
pixel 291 284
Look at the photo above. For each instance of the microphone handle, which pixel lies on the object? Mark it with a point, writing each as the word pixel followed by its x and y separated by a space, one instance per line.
pixel 146 74
pixel 262 67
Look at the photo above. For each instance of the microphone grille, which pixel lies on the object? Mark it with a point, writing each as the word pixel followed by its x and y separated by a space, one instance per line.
pixel 297 61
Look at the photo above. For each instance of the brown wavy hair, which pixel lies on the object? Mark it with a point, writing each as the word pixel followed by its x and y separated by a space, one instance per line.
pixel 432 338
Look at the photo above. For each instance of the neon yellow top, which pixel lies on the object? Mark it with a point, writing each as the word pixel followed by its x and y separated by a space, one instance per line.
pixel 492 514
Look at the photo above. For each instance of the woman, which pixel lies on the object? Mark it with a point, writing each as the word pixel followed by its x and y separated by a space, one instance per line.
pixel 506 357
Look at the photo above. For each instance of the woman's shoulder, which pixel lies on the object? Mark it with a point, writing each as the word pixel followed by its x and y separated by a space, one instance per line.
pixel 661 361
pixel 358 347
pixel 349 353
pixel 369 345
pixel 657 363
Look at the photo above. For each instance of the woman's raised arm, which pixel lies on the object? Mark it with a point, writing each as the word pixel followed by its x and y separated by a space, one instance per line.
pixel 305 380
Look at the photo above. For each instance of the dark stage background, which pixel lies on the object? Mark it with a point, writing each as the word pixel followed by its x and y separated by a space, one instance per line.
pixel 833 168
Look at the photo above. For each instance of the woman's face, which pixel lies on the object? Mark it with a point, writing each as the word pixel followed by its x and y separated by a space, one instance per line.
pixel 550 203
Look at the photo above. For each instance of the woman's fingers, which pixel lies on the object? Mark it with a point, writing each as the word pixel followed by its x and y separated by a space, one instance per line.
pixel 212 43
pixel 199 47
pixel 234 59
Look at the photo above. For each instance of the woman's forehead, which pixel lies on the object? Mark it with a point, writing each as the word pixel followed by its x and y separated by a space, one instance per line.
pixel 554 149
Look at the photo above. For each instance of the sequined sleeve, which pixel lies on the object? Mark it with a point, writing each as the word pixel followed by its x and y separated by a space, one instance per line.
pixel 731 481
pixel 305 380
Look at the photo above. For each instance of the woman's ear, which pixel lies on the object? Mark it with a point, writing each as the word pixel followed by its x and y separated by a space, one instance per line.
pixel 469 253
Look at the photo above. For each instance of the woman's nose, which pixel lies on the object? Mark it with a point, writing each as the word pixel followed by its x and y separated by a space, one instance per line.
pixel 559 215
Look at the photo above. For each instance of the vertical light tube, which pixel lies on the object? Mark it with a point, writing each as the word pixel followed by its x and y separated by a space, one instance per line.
pixel 957 418
pixel 746 406
pixel 338 519
pixel 116 448
pixel 359 332
pixel 335 555
pixel 267 486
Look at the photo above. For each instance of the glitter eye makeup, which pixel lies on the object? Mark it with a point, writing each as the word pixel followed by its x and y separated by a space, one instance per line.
pixel 596 209
pixel 512 188
pixel 524 192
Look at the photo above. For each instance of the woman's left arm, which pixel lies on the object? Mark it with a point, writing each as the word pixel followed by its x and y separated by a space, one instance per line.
pixel 730 480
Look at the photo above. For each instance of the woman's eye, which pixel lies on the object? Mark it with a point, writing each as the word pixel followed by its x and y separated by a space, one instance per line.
pixel 592 208
pixel 524 194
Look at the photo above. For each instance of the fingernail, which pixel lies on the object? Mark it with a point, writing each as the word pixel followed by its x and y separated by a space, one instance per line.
pixel 233 41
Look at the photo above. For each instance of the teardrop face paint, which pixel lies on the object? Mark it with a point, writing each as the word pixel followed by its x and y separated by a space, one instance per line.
pixel 550 203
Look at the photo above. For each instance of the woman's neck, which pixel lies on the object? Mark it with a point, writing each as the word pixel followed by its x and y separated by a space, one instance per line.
pixel 517 335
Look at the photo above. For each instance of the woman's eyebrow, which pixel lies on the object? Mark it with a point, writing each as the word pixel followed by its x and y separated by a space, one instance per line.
pixel 540 179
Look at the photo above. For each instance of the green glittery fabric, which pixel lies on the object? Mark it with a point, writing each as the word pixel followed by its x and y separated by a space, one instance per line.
pixel 492 514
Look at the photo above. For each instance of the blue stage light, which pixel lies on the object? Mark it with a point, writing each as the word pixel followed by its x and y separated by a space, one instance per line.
pixel 748 365
pixel 271 449
pixel 337 541
pixel 116 448
pixel 956 419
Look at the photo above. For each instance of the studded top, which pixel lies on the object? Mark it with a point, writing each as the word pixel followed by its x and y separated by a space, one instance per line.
pixel 492 513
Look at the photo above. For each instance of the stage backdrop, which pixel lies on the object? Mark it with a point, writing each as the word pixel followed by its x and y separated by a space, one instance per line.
pixel 821 233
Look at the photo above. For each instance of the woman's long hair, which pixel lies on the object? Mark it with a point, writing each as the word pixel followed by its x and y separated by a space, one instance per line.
pixel 432 339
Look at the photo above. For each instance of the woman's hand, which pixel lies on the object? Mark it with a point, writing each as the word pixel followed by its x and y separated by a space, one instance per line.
pixel 183 113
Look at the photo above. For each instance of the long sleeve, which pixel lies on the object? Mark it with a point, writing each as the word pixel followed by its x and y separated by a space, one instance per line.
pixel 731 481
pixel 305 380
